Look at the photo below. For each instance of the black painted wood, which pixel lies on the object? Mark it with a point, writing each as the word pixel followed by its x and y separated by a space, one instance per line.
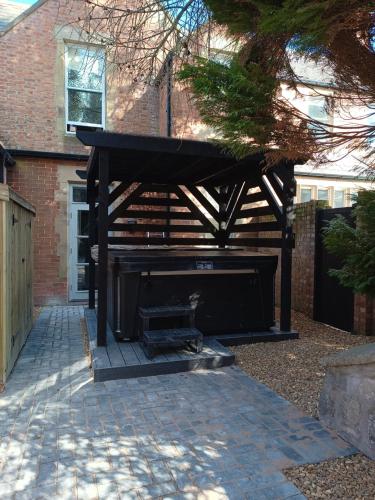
pixel 257 227
pixel 165 311
pixel 152 240
pixel 103 246
pixel 289 191
pixel 91 197
pixel 158 228
pixel 174 167
pixel 107 365
pixel 333 303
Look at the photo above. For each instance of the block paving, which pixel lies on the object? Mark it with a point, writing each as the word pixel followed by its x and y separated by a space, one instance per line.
pixel 205 434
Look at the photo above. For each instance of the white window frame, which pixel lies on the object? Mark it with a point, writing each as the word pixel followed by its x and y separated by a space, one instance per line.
pixel 345 195
pixel 73 264
pixel 311 188
pixel 327 190
pixel 67 88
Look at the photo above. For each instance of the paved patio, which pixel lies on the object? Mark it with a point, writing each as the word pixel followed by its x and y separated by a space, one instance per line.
pixel 206 434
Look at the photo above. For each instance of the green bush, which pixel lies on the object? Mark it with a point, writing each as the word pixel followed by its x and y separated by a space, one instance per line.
pixel 355 245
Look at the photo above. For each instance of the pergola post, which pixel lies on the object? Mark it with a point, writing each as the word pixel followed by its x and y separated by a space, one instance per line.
pixel 91 197
pixel 103 247
pixel 289 188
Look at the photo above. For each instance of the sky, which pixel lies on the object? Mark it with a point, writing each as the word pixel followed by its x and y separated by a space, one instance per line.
pixel 28 2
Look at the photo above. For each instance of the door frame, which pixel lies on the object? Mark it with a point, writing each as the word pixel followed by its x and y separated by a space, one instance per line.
pixel 73 293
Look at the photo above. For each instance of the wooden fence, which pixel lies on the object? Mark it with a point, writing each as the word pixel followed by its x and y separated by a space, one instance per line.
pixel 16 299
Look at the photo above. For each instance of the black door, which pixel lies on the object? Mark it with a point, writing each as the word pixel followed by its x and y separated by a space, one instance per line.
pixel 333 303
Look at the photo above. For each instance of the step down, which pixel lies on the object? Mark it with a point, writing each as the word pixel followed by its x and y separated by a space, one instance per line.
pixel 172 337
pixel 166 311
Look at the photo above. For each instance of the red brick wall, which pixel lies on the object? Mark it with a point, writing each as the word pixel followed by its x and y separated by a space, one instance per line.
pixel 38 181
pixel 364 315
pixel 32 87
pixel 303 275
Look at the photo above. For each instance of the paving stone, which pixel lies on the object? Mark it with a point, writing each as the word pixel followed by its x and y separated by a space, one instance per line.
pixel 203 434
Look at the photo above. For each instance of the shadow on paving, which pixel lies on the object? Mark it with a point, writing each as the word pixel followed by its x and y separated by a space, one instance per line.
pixel 204 434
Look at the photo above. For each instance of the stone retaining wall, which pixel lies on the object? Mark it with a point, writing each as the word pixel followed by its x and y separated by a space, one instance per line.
pixel 347 401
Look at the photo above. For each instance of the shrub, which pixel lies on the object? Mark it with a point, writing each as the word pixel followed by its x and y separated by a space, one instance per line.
pixel 355 245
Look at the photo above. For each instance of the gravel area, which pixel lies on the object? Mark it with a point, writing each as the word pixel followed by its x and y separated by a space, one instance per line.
pixel 292 369
pixel 350 478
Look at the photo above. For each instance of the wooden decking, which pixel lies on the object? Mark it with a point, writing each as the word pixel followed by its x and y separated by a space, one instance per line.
pixel 119 360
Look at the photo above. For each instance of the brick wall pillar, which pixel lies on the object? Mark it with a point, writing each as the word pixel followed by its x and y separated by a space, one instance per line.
pixel 364 315
pixel 303 277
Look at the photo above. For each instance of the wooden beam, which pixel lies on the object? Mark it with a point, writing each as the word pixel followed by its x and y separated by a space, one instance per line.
pixel 213 192
pixel 253 198
pixel 91 197
pixel 158 202
pixel 204 202
pixel 198 215
pixel 237 207
pixel 119 211
pixel 139 240
pixel 232 199
pixel 257 227
pixel 276 186
pixel 157 214
pixel 256 242
pixel 289 189
pixel 270 198
pixel 103 247
pixel 133 228
pixel 118 191
pixel 255 212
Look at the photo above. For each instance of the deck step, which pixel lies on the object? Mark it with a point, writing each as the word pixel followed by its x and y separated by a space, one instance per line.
pixel 171 335
pixel 166 311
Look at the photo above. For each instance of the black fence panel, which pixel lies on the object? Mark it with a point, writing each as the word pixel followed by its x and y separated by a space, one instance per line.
pixel 333 303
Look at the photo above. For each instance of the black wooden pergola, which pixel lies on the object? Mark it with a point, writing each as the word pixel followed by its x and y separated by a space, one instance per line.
pixel 183 193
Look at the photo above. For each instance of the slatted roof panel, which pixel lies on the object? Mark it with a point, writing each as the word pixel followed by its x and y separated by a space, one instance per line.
pixel 164 160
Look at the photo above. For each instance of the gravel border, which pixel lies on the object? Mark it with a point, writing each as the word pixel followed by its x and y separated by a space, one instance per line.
pixel 292 369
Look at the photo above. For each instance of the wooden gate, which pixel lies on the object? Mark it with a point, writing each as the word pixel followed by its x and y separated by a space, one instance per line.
pixel 333 303
pixel 16 304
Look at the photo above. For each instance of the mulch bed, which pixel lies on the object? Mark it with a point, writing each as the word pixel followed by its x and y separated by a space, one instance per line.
pixel 293 370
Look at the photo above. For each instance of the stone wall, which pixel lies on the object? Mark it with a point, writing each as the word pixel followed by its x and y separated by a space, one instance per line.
pixel 347 401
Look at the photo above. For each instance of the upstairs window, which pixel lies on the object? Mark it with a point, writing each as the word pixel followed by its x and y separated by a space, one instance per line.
pixel 339 198
pixel 317 110
pixel 323 194
pixel 85 87
pixel 306 194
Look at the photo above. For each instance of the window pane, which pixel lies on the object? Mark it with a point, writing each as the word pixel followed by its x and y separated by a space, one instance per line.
pixel 83 278
pixel 79 194
pixel 84 107
pixel 85 68
pixel 83 223
pixel 83 249
pixel 339 199
pixel 305 195
pixel 323 194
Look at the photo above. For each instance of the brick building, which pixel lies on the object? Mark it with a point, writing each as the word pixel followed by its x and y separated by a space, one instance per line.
pixel 40 108
pixel 46 92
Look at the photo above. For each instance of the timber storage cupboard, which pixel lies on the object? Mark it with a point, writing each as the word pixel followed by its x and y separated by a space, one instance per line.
pixel 16 299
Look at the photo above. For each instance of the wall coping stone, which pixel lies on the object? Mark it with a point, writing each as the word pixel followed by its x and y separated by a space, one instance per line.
pixel 360 355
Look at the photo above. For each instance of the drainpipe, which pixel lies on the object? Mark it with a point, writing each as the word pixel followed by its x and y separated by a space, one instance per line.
pixel 169 64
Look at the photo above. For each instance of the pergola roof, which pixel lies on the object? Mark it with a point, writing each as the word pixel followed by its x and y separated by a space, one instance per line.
pixel 164 160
